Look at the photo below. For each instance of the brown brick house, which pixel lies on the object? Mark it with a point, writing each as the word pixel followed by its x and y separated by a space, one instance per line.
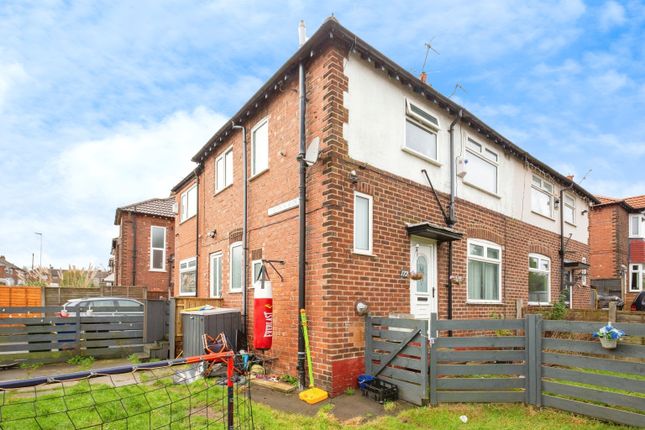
pixel 10 274
pixel 617 246
pixel 143 253
pixel 373 222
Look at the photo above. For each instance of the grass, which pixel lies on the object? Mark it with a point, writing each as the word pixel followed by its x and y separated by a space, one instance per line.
pixel 31 366
pixel 350 391
pixel 134 359
pixel 82 361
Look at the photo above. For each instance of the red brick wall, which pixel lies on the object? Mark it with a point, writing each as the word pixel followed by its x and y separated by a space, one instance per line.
pixel 636 251
pixel 185 243
pixel 157 281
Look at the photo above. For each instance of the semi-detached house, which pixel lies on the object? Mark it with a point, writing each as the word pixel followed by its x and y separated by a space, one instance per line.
pixel 373 223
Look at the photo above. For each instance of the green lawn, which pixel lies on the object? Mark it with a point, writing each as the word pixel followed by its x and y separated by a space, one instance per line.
pixel 158 403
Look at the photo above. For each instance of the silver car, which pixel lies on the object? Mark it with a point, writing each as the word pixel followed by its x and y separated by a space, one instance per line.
pixel 103 306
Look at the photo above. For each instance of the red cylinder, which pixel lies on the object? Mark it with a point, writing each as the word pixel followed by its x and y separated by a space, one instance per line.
pixel 262 315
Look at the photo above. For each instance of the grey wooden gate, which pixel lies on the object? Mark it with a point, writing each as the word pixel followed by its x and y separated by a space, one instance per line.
pixel 396 350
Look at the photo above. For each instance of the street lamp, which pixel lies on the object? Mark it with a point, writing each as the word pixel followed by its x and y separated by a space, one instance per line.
pixel 40 258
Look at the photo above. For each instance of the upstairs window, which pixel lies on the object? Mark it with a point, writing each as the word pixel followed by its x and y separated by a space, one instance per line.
pixel 484 271
pixel 539 279
pixel 482 164
pixel 260 147
pixel 420 132
pixel 542 197
pixel 569 208
pixel 636 226
pixel 189 203
pixel 224 170
pixel 362 223
pixel 157 248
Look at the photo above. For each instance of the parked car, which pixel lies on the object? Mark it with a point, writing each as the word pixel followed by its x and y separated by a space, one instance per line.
pixel 639 302
pixel 102 306
pixel 605 299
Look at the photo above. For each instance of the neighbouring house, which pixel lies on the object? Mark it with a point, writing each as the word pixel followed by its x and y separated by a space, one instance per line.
pixel 143 253
pixel 617 246
pixel 373 223
pixel 10 274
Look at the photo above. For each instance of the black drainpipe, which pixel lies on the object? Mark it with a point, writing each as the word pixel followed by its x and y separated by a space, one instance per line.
pixel 452 218
pixel 245 217
pixel 303 225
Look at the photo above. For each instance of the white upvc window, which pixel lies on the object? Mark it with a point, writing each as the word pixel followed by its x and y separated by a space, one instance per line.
pixel 224 170
pixel 157 249
pixel 260 147
pixel 188 277
pixel 636 277
pixel 482 164
pixel 215 271
pixel 363 218
pixel 636 226
pixel 484 272
pixel 542 197
pixel 256 265
pixel 539 279
pixel 569 208
pixel 421 133
pixel 236 266
pixel 189 203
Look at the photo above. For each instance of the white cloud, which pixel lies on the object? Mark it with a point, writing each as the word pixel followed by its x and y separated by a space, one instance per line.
pixel 11 75
pixel 611 15
pixel 609 82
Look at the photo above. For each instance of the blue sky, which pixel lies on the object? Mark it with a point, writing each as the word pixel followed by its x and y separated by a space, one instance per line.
pixel 103 103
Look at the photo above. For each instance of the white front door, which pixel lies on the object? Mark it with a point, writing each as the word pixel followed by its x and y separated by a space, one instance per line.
pixel 423 292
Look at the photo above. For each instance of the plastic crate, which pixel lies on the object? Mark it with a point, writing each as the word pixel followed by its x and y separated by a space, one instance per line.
pixel 380 391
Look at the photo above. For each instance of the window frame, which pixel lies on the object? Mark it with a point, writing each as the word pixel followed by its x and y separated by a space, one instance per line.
pixel 370 221
pixel 486 244
pixel 495 163
pixel 188 269
pixel 222 156
pixel 211 278
pixel 573 208
pixel 543 190
pixel 230 268
pixel 183 217
pixel 152 249
pixel 639 234
pixel 548 279
pixel 253 274
pixel 262 122
pixel 639 270
pixel 425 125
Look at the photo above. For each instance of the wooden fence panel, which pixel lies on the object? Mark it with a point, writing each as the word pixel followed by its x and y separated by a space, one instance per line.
pixel 19 297
pixel 183 303
pixel 397 352
pixel 60 295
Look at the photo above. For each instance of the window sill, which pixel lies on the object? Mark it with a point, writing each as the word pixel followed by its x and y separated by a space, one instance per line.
pixel 187 294
pixel 490 193
pixel 235 291
pixel 187 219
pixel 363 253
pixel 215 297
pixel 223 189
pixel 421 156
pixel 484 302
pixel 258 174
pixel 570 223
pixel 539 303
pixel 157 270
pixel 550 218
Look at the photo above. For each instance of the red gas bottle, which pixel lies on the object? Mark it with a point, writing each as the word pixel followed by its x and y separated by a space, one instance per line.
pixel 262 315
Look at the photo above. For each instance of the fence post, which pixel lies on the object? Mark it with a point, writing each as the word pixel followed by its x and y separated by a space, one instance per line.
pixel 533 324
pixel 172 315
pixel 368 345
pixel 433 361
pixel 612 312
pixel 519 304
pixel 78 329
pixel 146 310
pixel 425 364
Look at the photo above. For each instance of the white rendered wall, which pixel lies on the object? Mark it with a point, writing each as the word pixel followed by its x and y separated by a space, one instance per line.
pixel 375 135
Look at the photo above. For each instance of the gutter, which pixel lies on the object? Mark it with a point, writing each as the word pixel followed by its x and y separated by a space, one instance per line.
pixel 452 217
pixel 134 246
pixel 196 174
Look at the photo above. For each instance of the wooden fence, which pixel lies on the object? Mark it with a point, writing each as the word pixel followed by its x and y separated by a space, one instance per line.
pixel 59 295
pixel 20 296
pixel 396 351
pixel 553 363
pixel 38 334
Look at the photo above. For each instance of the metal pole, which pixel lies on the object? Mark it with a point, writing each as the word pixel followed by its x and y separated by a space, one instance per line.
pixel 40 258
pixel 303 227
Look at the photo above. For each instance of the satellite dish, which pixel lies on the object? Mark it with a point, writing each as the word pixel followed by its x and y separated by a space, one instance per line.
pixel 311 156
